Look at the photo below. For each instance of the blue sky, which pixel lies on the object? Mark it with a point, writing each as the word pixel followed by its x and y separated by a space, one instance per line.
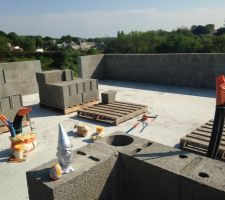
pixel 96 18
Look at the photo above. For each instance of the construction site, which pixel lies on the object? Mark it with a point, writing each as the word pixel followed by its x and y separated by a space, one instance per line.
pixel 134 126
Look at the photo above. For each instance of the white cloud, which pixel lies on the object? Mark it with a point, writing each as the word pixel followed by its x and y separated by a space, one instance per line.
pixel 107 23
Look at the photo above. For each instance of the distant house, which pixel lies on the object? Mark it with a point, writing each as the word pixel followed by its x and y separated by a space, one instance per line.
pixel 74 45
pixel 62 45
pixel 87 45
pixel 39 50
pixel 16 49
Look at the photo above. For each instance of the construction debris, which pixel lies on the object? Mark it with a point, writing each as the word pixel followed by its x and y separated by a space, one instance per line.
pixel 82 130
pixel 143 120
pixel 98 134
pixel 55 172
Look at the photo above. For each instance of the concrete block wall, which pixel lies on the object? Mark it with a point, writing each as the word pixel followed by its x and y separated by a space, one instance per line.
pixel 91 66
pixel 122 167
pixel 58 89
pixel 21 75
pixel 189 70
pixel 10 101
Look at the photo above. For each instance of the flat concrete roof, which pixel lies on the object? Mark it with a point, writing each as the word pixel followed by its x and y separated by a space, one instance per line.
pixel 179 110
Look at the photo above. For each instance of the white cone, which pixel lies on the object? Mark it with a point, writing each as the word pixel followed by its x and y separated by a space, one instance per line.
pixel 64 151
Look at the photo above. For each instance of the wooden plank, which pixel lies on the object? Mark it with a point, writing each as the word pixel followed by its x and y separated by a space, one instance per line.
pixel 96 113
pixel 111 109
pixel 128 103
pixel 205 134
pixel 131 115
pixel 207 126
pixel 120 107
pixel 206 130
pixel 210 123
pixel 200 144
pixel 115 108
pixel 102 112
pixel 203 138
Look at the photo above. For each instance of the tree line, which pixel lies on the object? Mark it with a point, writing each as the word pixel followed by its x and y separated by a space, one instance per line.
pixel 197 39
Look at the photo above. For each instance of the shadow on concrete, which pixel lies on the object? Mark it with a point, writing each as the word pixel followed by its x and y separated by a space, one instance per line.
pixel 87 140
pixel 90 121
pixel 41 175
pixel 161 88
pixel 115 185
pixel 151 156
pixel 38 111
pixel 4 155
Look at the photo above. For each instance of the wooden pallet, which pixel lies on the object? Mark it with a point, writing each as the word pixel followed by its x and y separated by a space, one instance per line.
pixel 5 129
pixel 114 113
pixel 198 140
pixel 69 110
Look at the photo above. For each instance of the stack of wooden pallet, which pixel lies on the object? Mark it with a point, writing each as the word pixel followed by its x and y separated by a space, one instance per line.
pixel 198 140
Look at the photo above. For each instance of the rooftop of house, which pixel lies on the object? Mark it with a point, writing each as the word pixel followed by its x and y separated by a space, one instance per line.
pixel 180 110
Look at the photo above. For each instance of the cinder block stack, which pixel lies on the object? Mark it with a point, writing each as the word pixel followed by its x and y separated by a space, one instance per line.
pixel 10 101
pixel 59 89
pixel 21 75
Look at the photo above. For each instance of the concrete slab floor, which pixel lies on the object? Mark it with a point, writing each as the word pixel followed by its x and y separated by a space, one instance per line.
pixel 180 110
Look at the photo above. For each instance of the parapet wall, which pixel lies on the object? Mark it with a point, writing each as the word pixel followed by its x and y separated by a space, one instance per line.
pixel 189 70
pixel 21 76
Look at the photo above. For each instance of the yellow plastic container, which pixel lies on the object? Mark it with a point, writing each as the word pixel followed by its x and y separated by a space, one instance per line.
pixel 18 151
pixel 99 129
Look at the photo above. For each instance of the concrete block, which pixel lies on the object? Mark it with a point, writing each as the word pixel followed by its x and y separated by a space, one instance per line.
pixel 91 66
pixel 5 103
pixel 90 96
pixel 16 101
pixel 73 89
pixel 11 75
pixel 190 70
pixel 73 100
pixel 52 76
pixel 21 74
pixel 2 78
pixel 86 86
pixel 79 85
pixel 125 167
pixel 203 180
pixel 67 75
pixel 108 96
pixel 91 163
pixel 124 143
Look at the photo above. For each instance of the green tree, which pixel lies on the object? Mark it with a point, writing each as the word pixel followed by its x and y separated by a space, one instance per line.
pixel 4 47
pixel 39 41
pixel 29 44
pixel 220 31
